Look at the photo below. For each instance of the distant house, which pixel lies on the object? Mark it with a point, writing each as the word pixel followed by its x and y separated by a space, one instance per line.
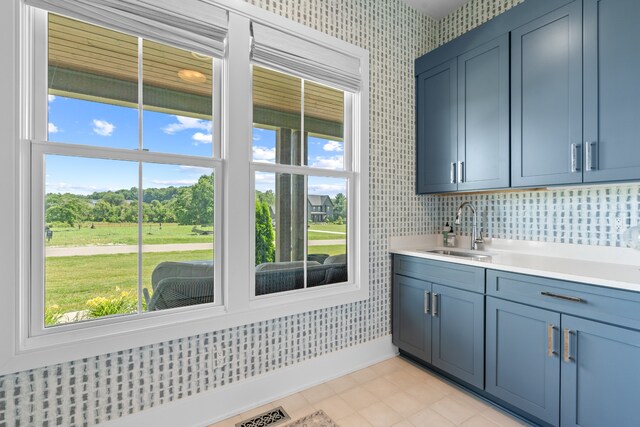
pixel 319 208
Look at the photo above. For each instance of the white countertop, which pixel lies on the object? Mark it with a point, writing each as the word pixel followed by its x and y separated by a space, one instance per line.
pixel 596 265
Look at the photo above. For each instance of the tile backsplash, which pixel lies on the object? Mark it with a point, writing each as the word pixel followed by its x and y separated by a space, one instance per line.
pixel 579 215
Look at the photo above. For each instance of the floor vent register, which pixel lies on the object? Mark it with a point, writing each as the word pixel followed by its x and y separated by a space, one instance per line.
pixel 272 417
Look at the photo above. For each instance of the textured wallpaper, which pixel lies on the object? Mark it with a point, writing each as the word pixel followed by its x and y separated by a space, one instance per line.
pixel 89 391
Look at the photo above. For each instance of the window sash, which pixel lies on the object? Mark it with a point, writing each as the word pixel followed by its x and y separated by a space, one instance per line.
pixel 39 149
pixel 352 247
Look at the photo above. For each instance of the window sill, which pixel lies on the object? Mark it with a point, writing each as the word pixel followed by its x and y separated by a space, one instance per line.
pixel 77 343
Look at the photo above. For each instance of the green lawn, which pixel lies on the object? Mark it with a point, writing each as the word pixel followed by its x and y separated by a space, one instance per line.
pixel 334 228
pixel 327 249
pixel 71 281
pixel 328 227
pixel 125 234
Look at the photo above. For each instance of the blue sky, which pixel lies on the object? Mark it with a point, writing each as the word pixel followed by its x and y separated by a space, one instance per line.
pixel 91 123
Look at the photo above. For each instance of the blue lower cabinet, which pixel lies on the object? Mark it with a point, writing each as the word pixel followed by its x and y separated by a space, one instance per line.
pixel 458 333
pixel 522 358
pixel 411 319
pixel 600 374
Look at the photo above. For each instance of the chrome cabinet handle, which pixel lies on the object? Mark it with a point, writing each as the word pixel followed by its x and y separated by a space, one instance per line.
pixel 562 297
pixel 434 304
pixel 567 345
pixel 427 302
pixel 551 340
pixel 460 171
pixel 574 157
pixel 453 172
pixel 588 156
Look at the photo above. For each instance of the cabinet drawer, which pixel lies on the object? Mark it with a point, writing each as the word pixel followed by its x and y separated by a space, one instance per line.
pixel 444 273
pixel 603 304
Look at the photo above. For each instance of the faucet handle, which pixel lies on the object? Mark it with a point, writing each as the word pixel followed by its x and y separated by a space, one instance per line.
pixel 478 244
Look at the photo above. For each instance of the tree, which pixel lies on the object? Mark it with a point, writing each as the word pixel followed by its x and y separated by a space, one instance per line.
pixel 194 205
pixel 339 207
pixel 66 208
pixel 265 236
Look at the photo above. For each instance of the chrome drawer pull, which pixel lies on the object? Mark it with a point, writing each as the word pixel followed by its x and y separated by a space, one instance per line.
pixel 427 302
pixel 434 304
pixel 567 345
pixel 551 341
pixel 453 172
pixel 562 297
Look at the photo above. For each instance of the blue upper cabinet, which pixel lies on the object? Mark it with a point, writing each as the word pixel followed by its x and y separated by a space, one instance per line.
pixel 483 116
pixel 546 99
pixel 436 150
pixel 611 90
pixel 463 121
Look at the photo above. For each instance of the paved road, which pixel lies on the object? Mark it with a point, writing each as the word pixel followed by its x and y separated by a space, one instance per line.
pixel 128 249
pixel 125 249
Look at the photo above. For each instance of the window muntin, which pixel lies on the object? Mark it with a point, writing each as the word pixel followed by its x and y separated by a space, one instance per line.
pixel 123 212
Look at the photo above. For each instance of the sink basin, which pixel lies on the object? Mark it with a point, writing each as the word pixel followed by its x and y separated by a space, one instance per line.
pixel 467 255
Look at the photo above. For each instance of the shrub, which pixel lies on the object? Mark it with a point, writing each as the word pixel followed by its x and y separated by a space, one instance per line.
pixel 120 303
pixel 52 315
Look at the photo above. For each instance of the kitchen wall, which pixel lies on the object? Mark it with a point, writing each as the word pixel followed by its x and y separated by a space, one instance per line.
pixel 92 390
pixel 582 215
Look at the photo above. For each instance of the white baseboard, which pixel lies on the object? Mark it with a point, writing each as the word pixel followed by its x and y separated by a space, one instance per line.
pixel 215 405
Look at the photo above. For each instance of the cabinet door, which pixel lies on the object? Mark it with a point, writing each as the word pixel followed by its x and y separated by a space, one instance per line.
pixel 483 116
pixel 611 90
pixel 436 149
pixel 458 333
pixel 411 317
pixel 523 364
pixel 600 374
pixel 546 99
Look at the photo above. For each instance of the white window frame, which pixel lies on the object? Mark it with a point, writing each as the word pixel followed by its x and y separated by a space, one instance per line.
pixel 20 348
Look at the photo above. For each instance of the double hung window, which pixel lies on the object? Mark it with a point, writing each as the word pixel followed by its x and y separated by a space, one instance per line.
pixel 143 221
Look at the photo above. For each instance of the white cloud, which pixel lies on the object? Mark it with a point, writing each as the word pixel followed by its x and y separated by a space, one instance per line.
pixel 65 187
pixel 103 127
pixel 327 189
pixel 186 123
pixel 264 154
pixel 335 162
pixel 202 138
pixel 333 146
pixel 51 98
pixel 51 128
pixel 195 169
pixel 175 182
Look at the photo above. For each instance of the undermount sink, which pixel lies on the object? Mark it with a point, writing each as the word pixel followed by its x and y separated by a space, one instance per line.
pixel 468 255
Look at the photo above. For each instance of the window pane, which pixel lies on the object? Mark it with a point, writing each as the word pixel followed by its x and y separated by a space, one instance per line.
pixel 177 236
pixel 280 232
pixel 93 85
pixel 277 105
pixel 327 230
pixel 324 126
pixel 91 239
pixel 178 100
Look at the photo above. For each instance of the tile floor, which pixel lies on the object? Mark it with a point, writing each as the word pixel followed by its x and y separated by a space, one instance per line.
pixel 391 393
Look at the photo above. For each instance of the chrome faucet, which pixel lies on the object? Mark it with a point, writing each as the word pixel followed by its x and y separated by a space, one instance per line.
pixel 475 240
